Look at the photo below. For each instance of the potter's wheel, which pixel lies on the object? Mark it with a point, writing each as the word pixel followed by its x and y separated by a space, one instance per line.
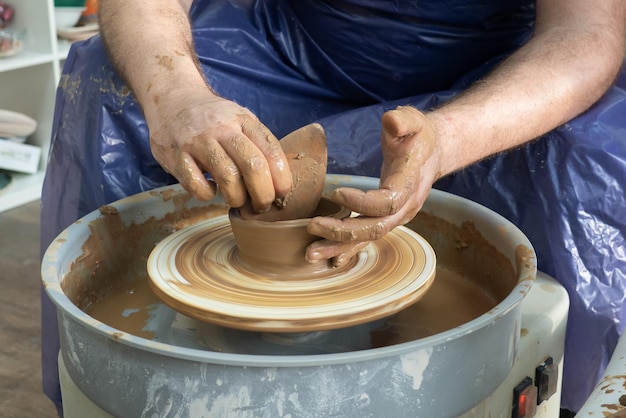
pixel 197 272
pixel 129 353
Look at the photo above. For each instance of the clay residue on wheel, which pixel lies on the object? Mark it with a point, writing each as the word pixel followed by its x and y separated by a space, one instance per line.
pixel 116 252
pixel 115 255
pixel 471 255
pixel 472 289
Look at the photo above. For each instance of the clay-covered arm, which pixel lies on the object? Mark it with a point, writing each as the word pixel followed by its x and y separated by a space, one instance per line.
pixel 570 61
pixel 192 130
pixel 150 44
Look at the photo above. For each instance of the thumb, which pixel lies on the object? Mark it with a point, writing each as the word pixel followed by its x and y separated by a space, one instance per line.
pixel 401 122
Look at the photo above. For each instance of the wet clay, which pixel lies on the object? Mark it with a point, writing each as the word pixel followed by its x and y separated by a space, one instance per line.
pixel 464 250
pixel 198 272
pixel 277 248
pixel 110 281
pixel 306 152
pixel 129 308
pixel 116 251
pixel 263 282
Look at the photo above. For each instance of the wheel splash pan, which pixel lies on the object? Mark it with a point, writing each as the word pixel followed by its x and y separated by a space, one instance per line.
pixel 442 375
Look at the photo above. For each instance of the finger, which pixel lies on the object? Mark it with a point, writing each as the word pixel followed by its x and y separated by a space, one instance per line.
pixel 254 170
pixel 340 253
pixel 357 229
pixel 379 202
pixel 216 161
pixel 407 135
pixel 191 177
pixel 270 147
pixel 346 254
pixel 401 122
pixel 407 142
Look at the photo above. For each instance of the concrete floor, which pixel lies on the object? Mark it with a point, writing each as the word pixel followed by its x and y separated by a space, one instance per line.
pixel 20 332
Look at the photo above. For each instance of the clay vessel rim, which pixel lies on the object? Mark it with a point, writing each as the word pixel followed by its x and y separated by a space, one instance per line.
pixel 233 214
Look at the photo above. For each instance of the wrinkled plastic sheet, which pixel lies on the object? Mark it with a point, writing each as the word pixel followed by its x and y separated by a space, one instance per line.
pixel 565 191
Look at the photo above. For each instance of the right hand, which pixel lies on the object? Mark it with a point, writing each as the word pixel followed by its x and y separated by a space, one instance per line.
pixel 411 148
pixel 194 132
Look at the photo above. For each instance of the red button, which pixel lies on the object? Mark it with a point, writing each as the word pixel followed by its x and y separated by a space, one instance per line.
pixel 528 402
pixel 524 399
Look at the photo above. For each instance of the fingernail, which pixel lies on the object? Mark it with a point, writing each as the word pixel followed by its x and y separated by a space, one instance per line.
pixel 312 256
pixel 263 209
pixel 313 228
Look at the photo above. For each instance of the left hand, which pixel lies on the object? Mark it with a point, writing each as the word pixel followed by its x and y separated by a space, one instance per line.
pixel 411 164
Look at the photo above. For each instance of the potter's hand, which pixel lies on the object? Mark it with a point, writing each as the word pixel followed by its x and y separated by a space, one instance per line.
pixel 199 132
pixel 411 160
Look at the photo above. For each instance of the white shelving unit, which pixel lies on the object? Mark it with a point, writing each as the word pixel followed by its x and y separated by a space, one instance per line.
pixel 28 83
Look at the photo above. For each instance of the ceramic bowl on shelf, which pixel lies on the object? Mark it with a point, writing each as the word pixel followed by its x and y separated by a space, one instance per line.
pixel 11 42
pixel 6 14
pixel 77 33
pixel 67 17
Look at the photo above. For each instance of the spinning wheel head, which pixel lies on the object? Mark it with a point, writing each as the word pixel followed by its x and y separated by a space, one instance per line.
pixel 198 272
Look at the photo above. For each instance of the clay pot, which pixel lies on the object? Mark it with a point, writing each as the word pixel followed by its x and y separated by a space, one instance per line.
pixel 278 248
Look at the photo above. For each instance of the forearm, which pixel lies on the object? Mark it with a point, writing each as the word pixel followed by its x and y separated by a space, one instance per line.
pixel 153 52
pixel 558 74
